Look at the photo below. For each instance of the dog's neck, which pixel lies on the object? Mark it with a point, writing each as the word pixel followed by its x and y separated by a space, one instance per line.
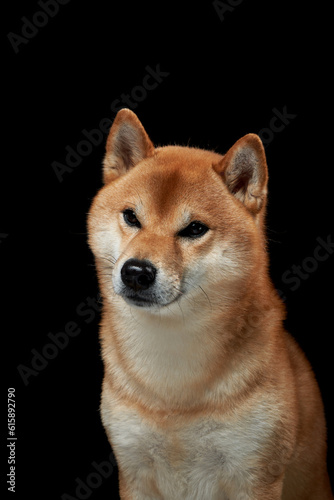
pixel 171 354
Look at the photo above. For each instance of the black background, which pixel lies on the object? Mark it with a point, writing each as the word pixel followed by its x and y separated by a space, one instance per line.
pixel 225 78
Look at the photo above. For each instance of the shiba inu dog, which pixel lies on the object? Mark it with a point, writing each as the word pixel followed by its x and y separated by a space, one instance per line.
pixel 205 396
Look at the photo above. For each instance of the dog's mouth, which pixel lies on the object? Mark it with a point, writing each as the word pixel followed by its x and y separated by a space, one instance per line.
pixel 137 300
pixel 148 301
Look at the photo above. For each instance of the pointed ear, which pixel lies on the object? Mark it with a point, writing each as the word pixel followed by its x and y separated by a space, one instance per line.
pixel 244 171
pixel 127 144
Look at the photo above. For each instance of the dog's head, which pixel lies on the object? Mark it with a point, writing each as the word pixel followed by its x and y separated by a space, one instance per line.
pixel 174 224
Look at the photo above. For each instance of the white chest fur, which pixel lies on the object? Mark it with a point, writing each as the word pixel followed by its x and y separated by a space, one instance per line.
pixel 204 458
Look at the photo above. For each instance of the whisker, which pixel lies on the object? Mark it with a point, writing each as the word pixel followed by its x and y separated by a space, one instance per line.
pixel 113 260
pixel 192 287
pixel 185 295
pixel 178 303
pixel 206 295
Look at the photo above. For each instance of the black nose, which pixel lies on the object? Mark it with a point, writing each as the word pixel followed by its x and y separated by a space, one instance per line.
pixel 138 274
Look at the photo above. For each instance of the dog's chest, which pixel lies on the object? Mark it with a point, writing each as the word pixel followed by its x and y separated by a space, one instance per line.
pixel 196 460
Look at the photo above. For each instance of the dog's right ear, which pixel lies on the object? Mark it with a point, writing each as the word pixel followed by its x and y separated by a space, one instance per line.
pixel 127 144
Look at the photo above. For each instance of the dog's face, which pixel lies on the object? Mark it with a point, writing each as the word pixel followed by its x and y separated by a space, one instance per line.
pixel 174 223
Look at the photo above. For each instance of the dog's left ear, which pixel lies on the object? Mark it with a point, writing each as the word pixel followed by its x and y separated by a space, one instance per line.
pixel 127 144
pixel 244 171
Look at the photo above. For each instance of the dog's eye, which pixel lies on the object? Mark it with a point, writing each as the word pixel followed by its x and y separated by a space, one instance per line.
pixel 194 230
pixel 130 218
